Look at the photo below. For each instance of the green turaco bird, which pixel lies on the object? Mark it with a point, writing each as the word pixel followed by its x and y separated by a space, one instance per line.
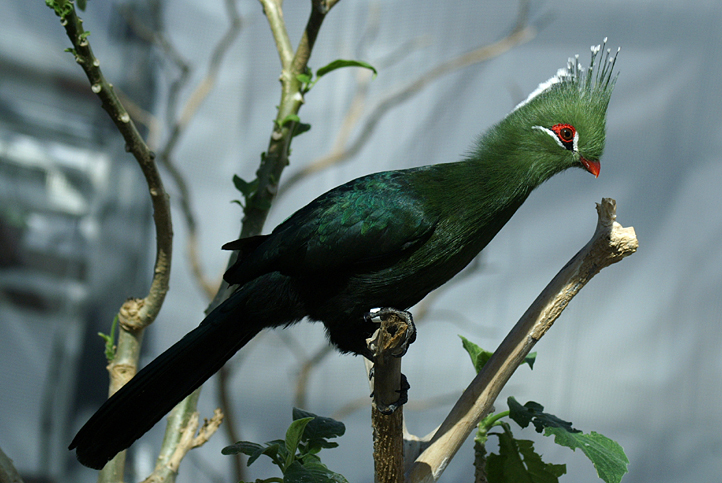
pixel 383 240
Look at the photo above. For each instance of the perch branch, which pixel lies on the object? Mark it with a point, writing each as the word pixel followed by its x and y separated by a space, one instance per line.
pixel 609 244
pixel 388 344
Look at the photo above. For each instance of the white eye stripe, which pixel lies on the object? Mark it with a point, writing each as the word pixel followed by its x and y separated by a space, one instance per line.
pixel 551 133
pixel 556 138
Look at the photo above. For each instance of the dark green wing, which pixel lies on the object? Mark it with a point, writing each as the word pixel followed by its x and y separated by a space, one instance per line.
pixel 364 223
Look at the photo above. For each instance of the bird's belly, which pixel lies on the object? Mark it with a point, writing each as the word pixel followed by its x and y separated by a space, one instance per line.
pixel 341 302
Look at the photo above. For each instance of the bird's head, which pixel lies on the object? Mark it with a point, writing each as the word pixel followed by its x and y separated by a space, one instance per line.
pixel 562 123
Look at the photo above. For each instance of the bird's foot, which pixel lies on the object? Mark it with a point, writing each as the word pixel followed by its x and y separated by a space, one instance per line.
pixel 400 327
pixel 386 347
pixel 403 393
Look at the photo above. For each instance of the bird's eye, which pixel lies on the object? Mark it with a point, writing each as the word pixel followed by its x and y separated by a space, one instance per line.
pixel 565 132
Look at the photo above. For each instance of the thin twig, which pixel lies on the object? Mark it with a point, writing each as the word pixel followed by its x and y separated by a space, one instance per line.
pixel 609 244
pixel 178 127
pixel 274 15
pixel 166 469
pixel 522 32
pixel 276 157
pixel 304 374
pixel 135 314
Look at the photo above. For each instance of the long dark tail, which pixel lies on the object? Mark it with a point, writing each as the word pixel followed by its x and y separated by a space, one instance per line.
pixel 181 369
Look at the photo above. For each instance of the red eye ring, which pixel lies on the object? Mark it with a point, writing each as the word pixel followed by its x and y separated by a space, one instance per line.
pixel 565 132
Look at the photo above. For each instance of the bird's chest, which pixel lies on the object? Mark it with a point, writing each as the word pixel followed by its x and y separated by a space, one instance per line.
pixel 410 279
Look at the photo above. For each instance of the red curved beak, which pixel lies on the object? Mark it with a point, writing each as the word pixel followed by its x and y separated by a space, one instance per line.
pixel 592 166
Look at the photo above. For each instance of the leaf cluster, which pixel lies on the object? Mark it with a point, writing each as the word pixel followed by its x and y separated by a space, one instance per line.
pixel 297 455
pixel 518 461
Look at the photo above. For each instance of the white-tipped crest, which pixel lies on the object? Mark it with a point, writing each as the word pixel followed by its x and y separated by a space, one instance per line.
pixel 587 80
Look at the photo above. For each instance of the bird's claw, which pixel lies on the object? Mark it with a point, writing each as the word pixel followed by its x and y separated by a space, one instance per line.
pixel 403 392
pixel 386 346
pixel 402 331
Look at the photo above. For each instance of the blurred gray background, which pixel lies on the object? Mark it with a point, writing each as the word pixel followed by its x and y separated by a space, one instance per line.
pixel 634 357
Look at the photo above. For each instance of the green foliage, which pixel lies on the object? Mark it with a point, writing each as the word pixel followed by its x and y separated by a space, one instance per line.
pixel 307 81
pixel 81 4
pixel 61 7
pixel 606 454
pixel 533 412
pixel 479 356
pixel 110 340
pixel 518 462
pixel 297 455
pixel 339 63
pixel 298 128
pixel 247 189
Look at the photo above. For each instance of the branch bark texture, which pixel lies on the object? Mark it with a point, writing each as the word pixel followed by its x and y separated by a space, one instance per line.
pixel 388 344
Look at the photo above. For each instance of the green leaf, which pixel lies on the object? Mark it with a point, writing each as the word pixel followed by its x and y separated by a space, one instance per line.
pixel 534 412
pixel 110 340
pixel 530 359
pixel 255 450
pixel 81 4
pixel 339 63
pixel 293 437
pixel 287 119
pixel 300 128
pixel 606 455
pixel 320 427
pixel 303 78
pixel 246 188
pixel 242 447
pixel 318 431
pixel 479 356
pixel 311 471
pixel 518 462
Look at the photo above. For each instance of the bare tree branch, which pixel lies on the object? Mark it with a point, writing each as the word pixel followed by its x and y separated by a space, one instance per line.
pixel 304 374
pixel 609 244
